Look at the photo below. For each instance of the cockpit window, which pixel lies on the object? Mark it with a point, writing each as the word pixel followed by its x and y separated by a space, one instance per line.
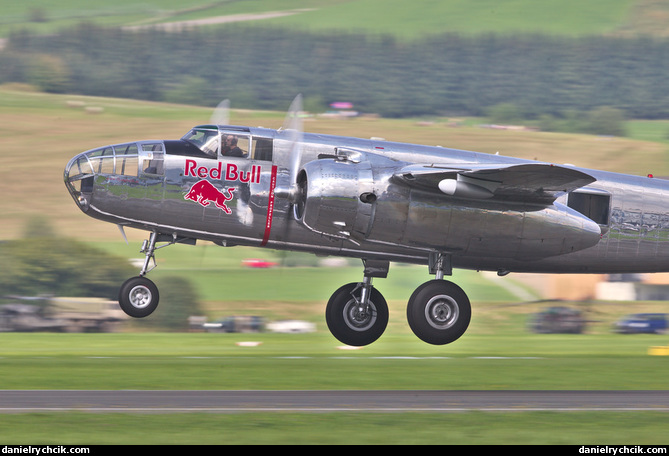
pixel 204 139
pixel 102 160
pixel 126 159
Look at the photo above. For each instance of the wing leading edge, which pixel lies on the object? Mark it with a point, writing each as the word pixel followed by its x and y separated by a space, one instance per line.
pixel 531 183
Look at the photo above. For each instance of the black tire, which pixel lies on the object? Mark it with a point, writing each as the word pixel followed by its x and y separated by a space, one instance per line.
pixel 347 324
pixel 439 312
pixel 138 297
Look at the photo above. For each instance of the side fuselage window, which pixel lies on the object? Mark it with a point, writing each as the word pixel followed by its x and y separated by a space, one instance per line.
pixel 262 149
pixel 153 158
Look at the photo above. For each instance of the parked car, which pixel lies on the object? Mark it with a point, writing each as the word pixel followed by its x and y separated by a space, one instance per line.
pixel 642 323
pixel 236 324
pixel 557 320
pixel 258 263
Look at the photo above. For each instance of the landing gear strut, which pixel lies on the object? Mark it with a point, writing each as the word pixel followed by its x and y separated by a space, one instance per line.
pixel 439 311
pixel 357 313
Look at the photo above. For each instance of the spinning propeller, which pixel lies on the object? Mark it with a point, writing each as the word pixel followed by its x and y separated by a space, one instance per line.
pixel 293 126
pixel 221 115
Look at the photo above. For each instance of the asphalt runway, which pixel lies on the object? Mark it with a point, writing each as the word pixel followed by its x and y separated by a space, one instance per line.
pixel 167 401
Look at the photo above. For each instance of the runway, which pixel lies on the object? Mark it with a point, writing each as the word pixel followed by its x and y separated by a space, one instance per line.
pixel 168 401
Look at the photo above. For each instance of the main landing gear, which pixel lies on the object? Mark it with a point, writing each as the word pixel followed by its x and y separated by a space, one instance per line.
pixel 438 311
pixel 357 314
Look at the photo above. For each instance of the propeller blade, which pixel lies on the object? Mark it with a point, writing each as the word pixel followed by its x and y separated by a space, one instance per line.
pixel 221 115
pixel 293 125
pixel 293 120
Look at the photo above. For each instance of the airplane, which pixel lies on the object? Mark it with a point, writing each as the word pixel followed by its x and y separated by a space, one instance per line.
pixel 375 200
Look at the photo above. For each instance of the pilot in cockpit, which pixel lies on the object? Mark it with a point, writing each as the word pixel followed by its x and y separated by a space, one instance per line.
pixel 229 147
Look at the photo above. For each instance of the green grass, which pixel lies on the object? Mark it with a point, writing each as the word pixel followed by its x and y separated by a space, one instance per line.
pixel 649 130
pixel 397 360
pixel 477 428
pixel 426 17
pixel 393 17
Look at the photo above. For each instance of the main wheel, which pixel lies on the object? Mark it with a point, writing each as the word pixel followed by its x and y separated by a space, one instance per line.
pixel 439 312
pixel 138 297
pixel 352 323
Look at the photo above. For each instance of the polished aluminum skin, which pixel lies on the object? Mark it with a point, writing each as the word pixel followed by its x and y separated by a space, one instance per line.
pixel 378 200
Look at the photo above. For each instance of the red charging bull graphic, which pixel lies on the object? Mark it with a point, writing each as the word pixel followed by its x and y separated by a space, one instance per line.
pixel 204 193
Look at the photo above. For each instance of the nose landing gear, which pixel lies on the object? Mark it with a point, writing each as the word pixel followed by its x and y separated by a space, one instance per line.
pixel 138 296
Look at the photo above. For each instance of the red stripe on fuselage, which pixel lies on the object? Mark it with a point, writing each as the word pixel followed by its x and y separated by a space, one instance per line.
pixel 270 207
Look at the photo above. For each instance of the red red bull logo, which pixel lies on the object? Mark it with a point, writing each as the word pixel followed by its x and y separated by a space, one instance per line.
pixel 204 193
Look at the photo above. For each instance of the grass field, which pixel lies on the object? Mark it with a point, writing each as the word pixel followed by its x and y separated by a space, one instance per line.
pixel 479 428
pixel 313 361
pixel 557 17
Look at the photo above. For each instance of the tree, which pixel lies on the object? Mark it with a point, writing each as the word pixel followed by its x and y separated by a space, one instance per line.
pixel 178 301
pixel 606 121
pixel 504 113
pixel 44 263
pixel 49 73
pixel 60 267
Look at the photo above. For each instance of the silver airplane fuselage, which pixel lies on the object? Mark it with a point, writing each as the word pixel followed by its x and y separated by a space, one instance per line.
pixel 379 201
pixel 403 223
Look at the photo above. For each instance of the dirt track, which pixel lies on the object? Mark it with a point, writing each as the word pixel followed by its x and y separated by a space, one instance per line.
pixel 180 25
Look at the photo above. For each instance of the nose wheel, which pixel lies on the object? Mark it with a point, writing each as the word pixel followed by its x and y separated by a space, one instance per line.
pixel 138 297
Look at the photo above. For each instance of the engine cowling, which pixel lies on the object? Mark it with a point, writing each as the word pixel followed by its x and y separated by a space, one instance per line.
pixel 335 198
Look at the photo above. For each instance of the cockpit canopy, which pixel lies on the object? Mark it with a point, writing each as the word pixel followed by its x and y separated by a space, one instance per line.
pixel 218 142
pixel 205 139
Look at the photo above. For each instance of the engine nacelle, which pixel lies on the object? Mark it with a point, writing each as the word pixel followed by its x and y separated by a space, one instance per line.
pixel 335 198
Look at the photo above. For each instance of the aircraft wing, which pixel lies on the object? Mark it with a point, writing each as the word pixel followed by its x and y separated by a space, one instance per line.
pixel 534 183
